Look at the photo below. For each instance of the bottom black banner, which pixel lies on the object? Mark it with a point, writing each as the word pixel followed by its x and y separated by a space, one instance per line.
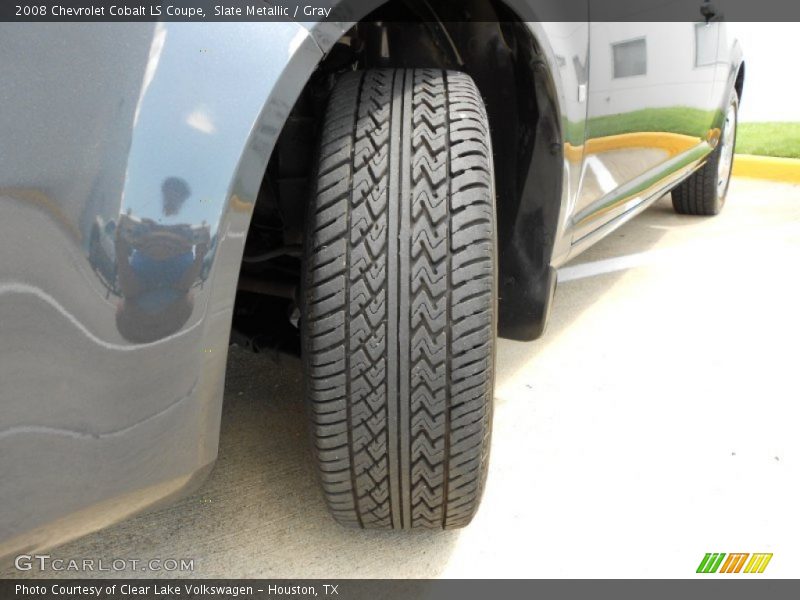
pixel 345 589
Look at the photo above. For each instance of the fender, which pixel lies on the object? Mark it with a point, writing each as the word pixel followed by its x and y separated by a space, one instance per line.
pixel 732 78
pixel 160 134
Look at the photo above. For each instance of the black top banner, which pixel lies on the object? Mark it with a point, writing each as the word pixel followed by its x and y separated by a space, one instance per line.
pixel 355 10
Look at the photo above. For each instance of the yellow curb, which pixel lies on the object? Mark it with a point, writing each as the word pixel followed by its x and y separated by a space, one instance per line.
pixel 672 143
pixel 786 170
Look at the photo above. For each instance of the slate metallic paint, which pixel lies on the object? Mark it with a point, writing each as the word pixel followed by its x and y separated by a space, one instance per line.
pixel 94 119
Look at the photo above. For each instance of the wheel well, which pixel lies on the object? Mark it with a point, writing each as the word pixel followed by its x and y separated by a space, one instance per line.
pixel 739 84
pixel 482 38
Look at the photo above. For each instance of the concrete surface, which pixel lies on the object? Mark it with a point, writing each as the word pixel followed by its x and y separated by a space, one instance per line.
pixel 657 420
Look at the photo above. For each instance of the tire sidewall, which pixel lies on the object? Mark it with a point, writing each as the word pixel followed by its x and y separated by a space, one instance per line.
pixel 719 200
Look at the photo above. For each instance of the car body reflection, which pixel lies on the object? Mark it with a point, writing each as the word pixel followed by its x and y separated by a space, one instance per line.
pixel 156 267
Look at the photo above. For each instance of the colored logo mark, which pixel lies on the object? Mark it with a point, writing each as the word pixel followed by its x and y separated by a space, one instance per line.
pixel 713 562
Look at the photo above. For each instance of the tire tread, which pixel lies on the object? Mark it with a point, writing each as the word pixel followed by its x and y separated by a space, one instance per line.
pixel 399 301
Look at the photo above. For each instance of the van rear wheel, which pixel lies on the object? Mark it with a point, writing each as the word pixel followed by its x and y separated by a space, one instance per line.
pixel 704 192
pixel 399 303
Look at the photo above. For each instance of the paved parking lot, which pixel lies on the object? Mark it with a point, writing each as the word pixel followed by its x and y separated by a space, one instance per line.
pixel 657 420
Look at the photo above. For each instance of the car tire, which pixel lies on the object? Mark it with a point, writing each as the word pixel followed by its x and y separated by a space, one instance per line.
pixel 704 192
pixel 399 302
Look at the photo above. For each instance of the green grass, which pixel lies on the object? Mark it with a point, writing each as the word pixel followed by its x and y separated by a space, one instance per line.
pixel 678 119
pixel 769 139
pixel 763 139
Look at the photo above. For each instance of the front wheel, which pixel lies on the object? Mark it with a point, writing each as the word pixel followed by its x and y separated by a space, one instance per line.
pixel 704 192
pixel 399 312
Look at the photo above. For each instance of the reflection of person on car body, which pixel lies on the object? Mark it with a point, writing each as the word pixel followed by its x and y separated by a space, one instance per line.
pixel 157 266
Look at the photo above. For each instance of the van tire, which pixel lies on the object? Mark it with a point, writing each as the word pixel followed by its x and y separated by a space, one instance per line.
pixel 704 191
